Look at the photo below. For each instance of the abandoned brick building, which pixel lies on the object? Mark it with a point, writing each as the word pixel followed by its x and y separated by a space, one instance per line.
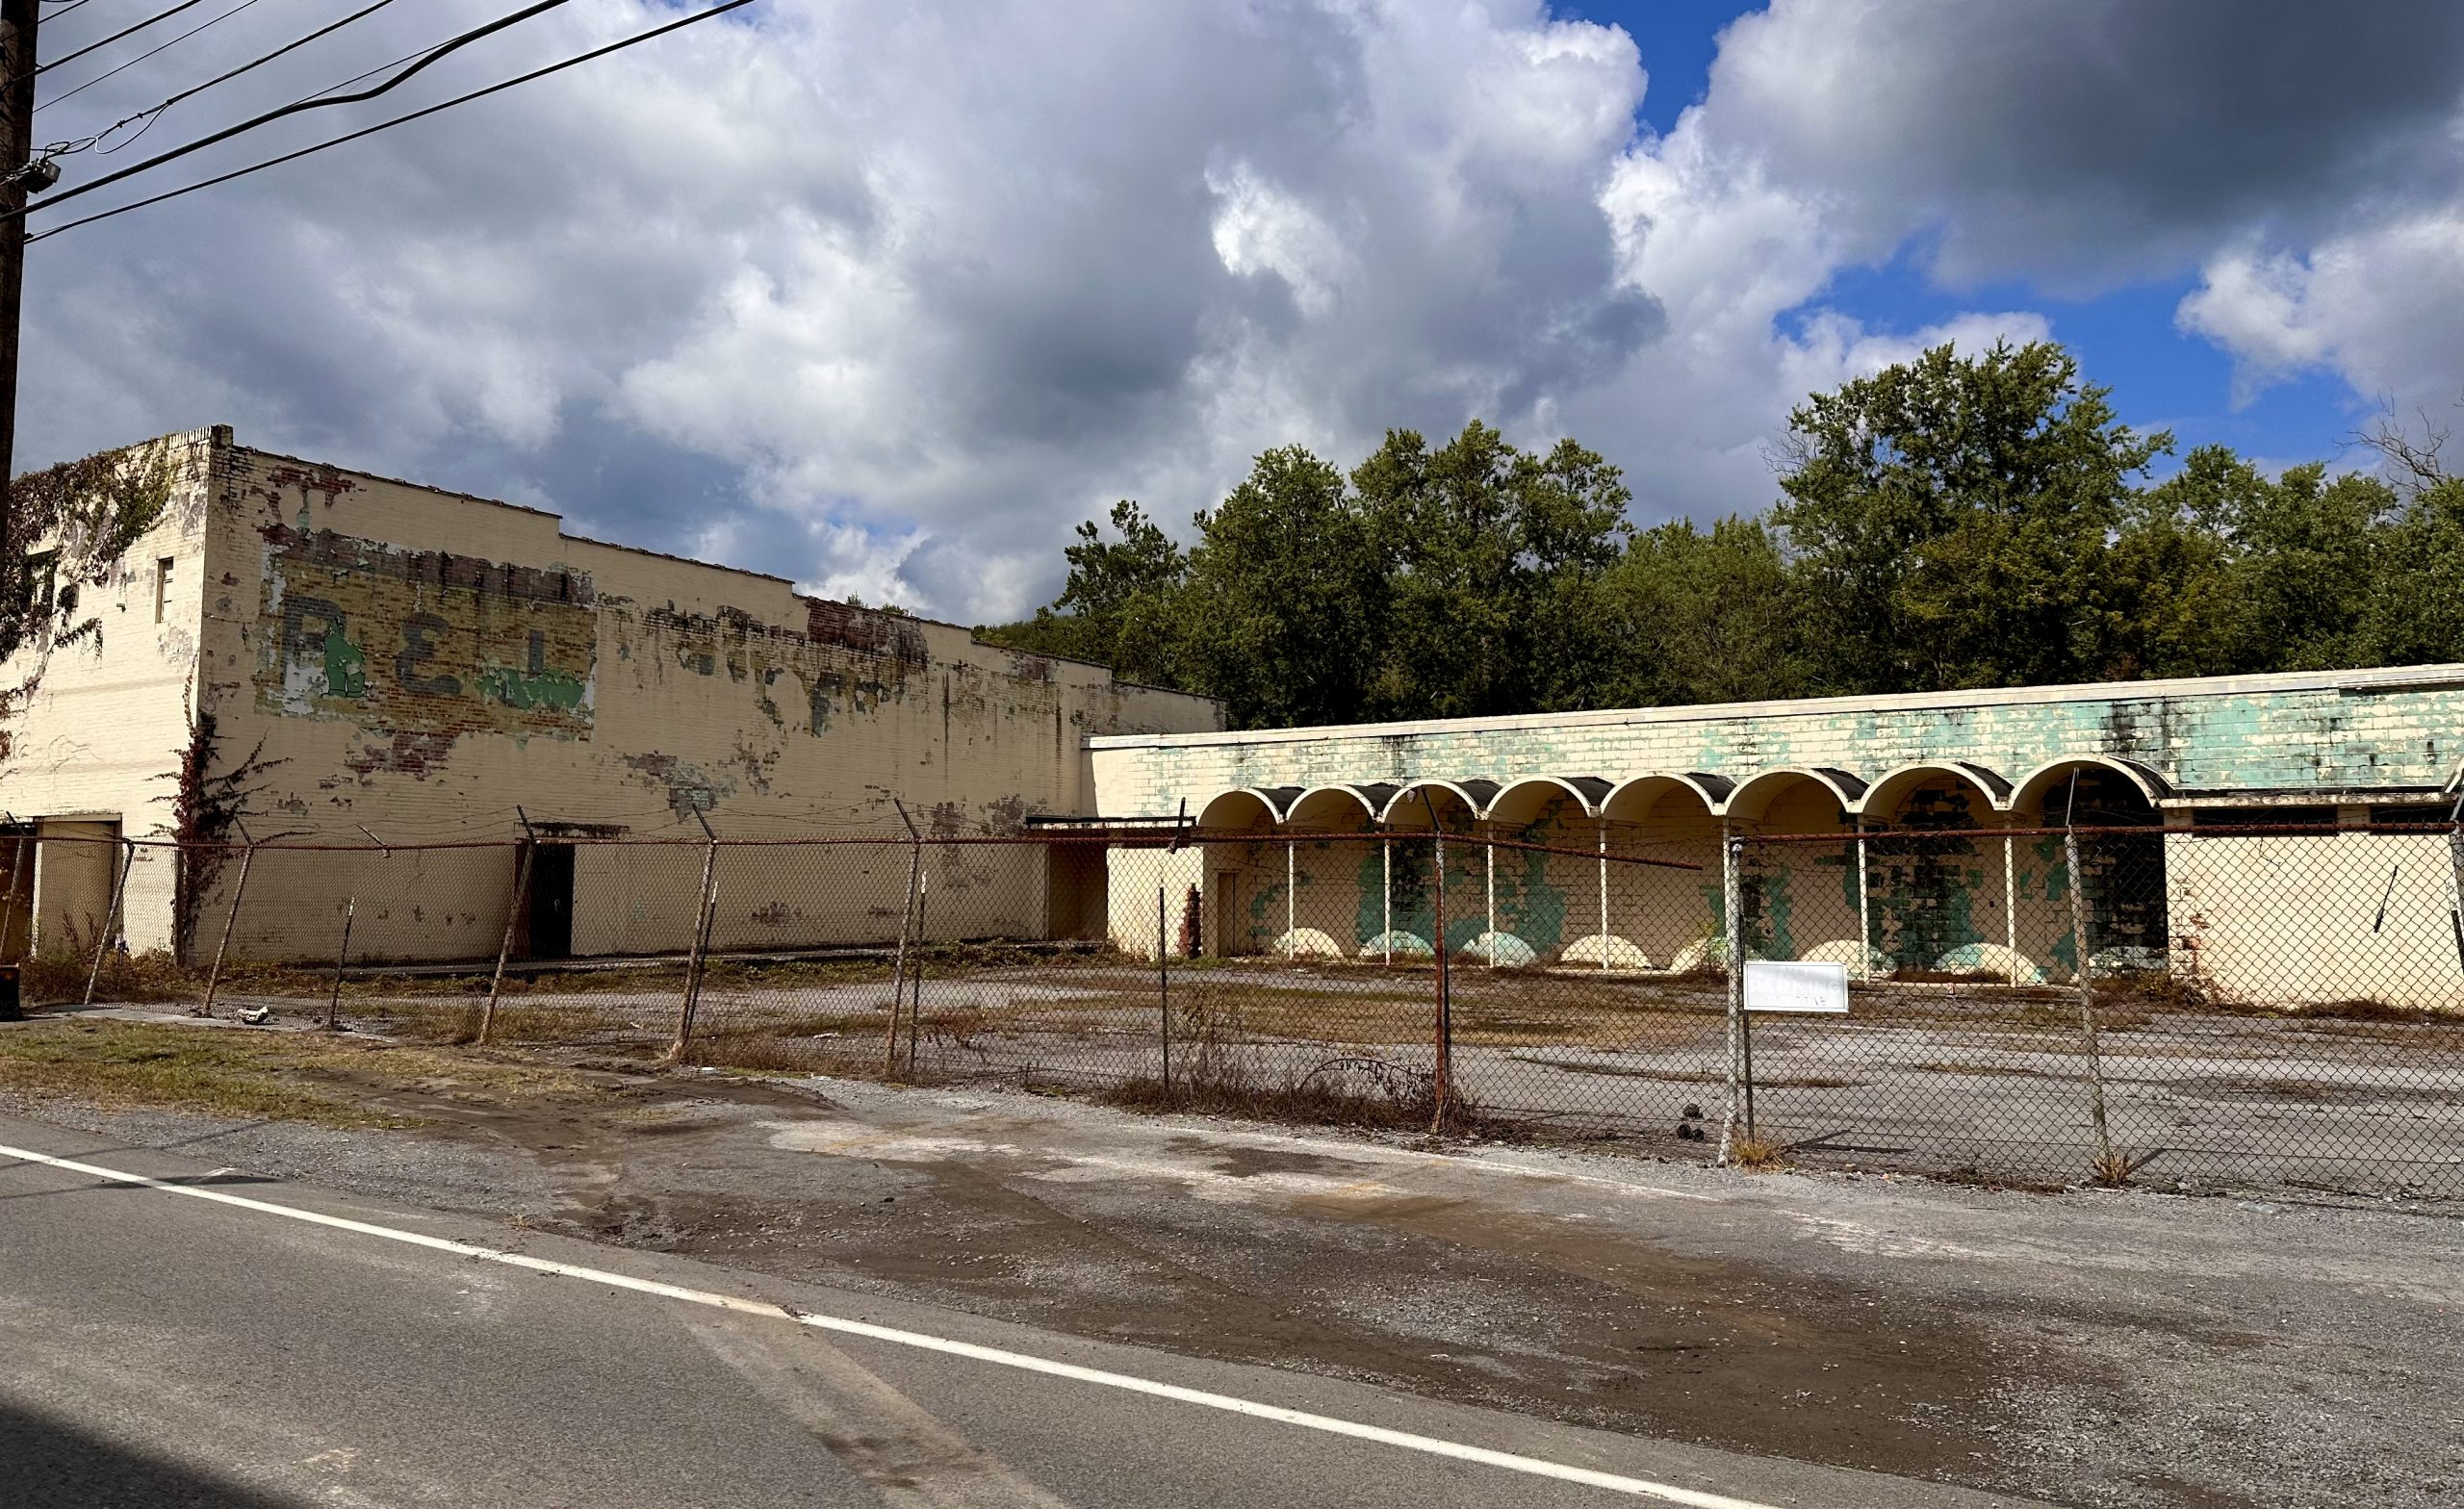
pixel 1915 787
pixel 341 659
pixel 374 660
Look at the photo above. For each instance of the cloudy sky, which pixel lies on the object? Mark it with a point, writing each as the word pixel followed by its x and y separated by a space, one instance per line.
pixel 886 294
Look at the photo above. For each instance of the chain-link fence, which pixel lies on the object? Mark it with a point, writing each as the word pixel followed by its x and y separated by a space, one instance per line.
pixel 2208 1005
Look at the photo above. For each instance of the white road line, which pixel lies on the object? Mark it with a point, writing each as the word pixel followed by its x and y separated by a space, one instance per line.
pixel 1536 1466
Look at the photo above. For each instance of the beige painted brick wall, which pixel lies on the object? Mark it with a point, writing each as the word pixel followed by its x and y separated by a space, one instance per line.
pixel 98 741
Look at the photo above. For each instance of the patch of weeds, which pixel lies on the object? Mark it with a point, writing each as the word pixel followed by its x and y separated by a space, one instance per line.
pixel 1361 1091
pixel 2004 1070
pixel 288 1076
pixel 54 978
pixel 1756 1155
pixel 124 1064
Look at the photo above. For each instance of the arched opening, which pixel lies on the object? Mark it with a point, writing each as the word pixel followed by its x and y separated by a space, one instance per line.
pixel 1413 894
pixel 1660 917
pixel 1333 877
pixel 1939 879
pixel 1540 903
pixel 2122 867
pixel 1804 892
pixel 1244 882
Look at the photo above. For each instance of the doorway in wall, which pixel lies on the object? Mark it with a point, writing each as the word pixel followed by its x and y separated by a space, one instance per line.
pixel 16 889
pixel 1227 934
pixel 550 933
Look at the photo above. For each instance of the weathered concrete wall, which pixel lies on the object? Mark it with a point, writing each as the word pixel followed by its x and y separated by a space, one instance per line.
pixel 1933 889
pixel 2320 733
pixel 419 664
pixel 95 750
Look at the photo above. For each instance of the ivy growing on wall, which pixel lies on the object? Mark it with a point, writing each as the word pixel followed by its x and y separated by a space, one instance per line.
pixel 63 530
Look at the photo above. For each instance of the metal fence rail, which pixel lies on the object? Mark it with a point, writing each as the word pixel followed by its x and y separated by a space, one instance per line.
pixel 2195 1007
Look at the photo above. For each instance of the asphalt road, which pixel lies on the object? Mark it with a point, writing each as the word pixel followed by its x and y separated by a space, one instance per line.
pixel 158 1348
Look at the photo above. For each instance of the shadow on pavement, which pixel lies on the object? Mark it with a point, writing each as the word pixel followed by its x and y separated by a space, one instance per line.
pixel 53 1465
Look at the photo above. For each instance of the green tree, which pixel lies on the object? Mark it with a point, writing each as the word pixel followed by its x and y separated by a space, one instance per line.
pixel 1949 518
pixel 1705 617
pixel 2304 548
pixel 1284 607
pixel 1498 556
pixel 1120 607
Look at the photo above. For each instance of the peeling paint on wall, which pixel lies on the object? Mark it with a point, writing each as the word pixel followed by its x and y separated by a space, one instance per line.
pixel 421 642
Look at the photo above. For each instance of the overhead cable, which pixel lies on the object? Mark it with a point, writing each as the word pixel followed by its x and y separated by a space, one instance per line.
pixel 227 133
pixel 154 112
pixel 125 31
pixel 220 78
pixel 386 125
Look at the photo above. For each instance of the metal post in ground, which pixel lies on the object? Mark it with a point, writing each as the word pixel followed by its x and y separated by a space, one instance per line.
pixel 2010 905
pixel 512 919
pixel 230 919
pixel 342 956
pixel 916 979
pixel 1865 911
pixel 1489 877
pixel 2456 861
pixel 1732 894
pixel 1386 896
pixel 2108 1169
pixel 110 917
pixel 1442 1072
pixel 1603 893
pixel 905 920
pixel 699 954
pixel 1163 987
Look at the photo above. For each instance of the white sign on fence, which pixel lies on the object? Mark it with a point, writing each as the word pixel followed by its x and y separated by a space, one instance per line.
pixel 1787 986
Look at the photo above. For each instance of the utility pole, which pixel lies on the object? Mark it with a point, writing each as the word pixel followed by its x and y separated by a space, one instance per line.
pixel 17 27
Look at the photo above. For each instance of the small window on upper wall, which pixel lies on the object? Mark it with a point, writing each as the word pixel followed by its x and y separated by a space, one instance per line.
pixel 162 587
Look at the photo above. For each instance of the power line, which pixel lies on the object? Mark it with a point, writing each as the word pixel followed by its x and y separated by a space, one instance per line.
pixel 125 31
pixel 141 58
pixel 461 99
pixel 296 107
pixel 155 113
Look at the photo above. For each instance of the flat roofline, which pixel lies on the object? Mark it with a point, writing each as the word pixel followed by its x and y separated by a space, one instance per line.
pixel 2448 677
pixel 559 520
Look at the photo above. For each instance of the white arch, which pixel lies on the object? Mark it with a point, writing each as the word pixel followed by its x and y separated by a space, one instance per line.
pixel 1216 814
pixel 1468 792
pixel 2035 783
pixel 1708 789
pixel 1752 799
pixel 1887 789
pixel 1586 790
pixel 1305 805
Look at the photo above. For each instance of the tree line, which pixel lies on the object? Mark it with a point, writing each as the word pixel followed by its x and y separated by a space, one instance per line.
pixel 1952 521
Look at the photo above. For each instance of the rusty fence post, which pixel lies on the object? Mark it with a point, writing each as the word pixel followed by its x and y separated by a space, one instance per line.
pixel 2455 862
pixel 351 913
pixel 2108 1169
pixel 1732 902
pixel 905 923
pixel 698 958
pixel 1442 1071
pixel 341 956
pixel 230 919
pixel 512 919
pixel 916 977
pixel 110 916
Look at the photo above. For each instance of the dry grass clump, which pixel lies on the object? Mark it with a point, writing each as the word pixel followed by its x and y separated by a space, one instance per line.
pixel 1756 1155
pixel 257 1075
